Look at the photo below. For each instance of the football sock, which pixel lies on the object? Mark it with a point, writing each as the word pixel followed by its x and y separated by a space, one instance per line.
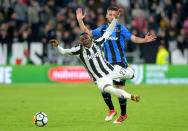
pixel 123 102
pixel 108 100
pixel 117 92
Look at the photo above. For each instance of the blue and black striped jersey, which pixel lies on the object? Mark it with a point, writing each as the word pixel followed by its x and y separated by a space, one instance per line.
pixel 114 47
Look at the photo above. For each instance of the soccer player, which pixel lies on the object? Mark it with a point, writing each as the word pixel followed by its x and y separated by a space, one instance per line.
pixel 114 52
pixel 100 70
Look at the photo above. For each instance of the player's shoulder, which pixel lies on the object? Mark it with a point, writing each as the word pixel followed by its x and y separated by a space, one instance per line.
pixel 122 27
pixel 103 27
pixel 78 46
pixel 99 29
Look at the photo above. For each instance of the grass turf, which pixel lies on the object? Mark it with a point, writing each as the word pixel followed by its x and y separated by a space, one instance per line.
pixel 80 107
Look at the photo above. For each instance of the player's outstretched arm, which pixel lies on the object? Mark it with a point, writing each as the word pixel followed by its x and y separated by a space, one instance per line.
pixel 59 49
pixel 55 43
pixel 80 16
pixel 147 38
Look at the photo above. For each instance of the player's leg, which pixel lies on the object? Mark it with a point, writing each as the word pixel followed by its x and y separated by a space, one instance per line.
pixel 116 92
pixel 122 102
pixel 105 84
pixel 107 98
pixel 108 101
pixel 120 93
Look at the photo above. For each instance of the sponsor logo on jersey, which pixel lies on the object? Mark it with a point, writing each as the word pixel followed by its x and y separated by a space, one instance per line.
pixel 112 38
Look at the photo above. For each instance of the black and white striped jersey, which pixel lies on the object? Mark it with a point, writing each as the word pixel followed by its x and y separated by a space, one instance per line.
pixel 92 57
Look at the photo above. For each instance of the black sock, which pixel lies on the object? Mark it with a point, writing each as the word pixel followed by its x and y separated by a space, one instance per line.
pixel 123 105
pixel 108 101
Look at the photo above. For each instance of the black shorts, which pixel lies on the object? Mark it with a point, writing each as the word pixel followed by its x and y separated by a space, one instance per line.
pixel 124 65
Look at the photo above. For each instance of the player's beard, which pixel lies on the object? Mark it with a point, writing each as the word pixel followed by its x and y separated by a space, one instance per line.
pixel 109 22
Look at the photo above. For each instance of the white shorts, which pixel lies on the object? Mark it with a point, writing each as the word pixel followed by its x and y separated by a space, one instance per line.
pixel 119 73
pixel 104 81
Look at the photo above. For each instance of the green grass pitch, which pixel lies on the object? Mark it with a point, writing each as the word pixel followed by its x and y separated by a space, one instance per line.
pixel 80 107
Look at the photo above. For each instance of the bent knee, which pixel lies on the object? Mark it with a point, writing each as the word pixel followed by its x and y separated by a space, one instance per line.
pixel 133 75
pixel 120 87
pixel 105 86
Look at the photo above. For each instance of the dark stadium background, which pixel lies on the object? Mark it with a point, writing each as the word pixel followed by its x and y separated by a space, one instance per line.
pixel 40 20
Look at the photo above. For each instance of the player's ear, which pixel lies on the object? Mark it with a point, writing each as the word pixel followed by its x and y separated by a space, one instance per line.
pixel 120 10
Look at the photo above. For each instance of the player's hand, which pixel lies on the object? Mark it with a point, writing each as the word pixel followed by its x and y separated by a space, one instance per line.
pixel 149 38
pixel 120 11
pixel 79 14
pixel 55 43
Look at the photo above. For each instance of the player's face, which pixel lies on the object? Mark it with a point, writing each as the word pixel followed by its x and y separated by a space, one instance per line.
pixel 110 15
pixel 86 40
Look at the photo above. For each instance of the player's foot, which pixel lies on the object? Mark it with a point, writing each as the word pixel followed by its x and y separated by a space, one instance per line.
pixel 110 115
pixel 135 98
pixel 121 118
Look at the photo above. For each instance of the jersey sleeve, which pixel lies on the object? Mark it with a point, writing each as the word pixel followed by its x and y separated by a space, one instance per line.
pixel 72 51
pixel 125 32
pixel 97 32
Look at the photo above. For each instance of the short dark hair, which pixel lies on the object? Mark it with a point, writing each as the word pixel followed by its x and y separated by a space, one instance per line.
pixel 114 8
pixel 84 33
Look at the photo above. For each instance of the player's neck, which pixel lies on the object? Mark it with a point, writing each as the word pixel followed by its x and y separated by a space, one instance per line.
pixel 88 47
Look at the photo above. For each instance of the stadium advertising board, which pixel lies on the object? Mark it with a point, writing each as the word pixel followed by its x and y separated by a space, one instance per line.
pixel 69 74
pixel 160 74
pixel 5 75
pixel 148 74
pixel 164 74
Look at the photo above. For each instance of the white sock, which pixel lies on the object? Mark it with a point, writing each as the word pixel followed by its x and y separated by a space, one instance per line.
pixel 117 92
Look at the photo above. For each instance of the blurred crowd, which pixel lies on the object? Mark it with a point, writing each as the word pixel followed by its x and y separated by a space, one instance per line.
pixel 41 20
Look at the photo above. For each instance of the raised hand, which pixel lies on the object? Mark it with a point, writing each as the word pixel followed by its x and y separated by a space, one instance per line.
pixel 149 38
pixel 79 14
pixel 55 43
